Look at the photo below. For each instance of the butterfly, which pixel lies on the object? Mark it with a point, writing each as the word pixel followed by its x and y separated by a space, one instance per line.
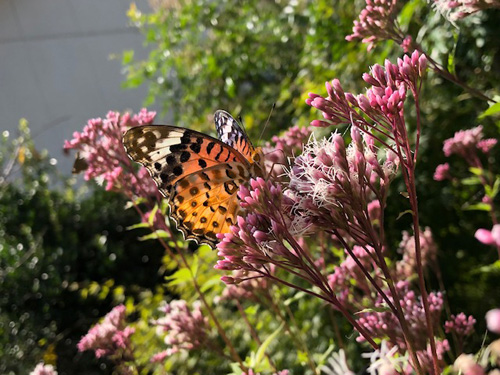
pixel 198 174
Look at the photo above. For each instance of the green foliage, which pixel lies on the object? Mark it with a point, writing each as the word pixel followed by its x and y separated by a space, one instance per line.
pixel 62 256
pixel 207 55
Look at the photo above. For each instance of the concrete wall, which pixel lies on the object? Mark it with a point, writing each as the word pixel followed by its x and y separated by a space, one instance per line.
pixel 55 66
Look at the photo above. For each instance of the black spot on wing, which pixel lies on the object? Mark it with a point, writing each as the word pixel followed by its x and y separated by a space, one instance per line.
pixel 196 147
pixel 177 170
pixel 210 146
pixel 185 155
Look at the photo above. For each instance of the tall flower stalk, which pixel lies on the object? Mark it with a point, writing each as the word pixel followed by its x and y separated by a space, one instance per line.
pixel 380 116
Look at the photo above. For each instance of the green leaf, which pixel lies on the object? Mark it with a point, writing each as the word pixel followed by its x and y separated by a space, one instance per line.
pixel 210 283
pixel 476 171
pixel 235 369
pixel 493 191
pixel 179 277
pixel 297 296
pixel 262 349
pixel 451 55
pixel 138 225
pixel 471 181
pixel 323 357
pixel 477 207
pixel 127 57
pixel 251 310
pixel 152 215
pixel 406 14
pixel 302 357
pixel 155 235
pixel 401 214
pixel 493 110
pixel 491 268
pixel 194 265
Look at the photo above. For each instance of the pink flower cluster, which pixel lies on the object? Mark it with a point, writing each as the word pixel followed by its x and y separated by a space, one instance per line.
pixel 331 185
pixel 442 172
pixel 384 324
pixel 460 324
pixel 383 102
pixel 99 144
pixel 467 142
pixel 110 337
pixel 43 369
pixel 377 22
pixel 348 281
pixel 257 239
pixel 459 9
pixel 184 328
pixel 407 266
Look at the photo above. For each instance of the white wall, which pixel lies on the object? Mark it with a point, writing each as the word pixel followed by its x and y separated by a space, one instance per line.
pixel 55 66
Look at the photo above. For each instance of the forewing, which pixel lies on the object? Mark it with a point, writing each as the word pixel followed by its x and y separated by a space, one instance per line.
pixel 205 203
pixel 231 133
pixel 171 153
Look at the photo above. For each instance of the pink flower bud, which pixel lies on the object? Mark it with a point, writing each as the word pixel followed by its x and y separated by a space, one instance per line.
pixel 338 87
pixel 228 280
pixel 364 103
pixel 370 80
pixel 484 236
pixel 260 236
pixel 422 65
pixel 319 124
pixel 351 99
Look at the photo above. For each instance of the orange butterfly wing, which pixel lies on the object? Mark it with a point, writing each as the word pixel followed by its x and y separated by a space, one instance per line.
pixel 199 174
pixel 205 202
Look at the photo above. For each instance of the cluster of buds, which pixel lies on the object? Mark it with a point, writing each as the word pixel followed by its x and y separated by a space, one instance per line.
pixel 111 337
pixel 467 143
pixel 258 238
pixel 458 9
pixel 348 281
pixel 384 324
pixel 331 185
pixel 461 325
pixel 103 158
pixel 379 112
pixel 407 266
pixel 181 327
pixel 377 22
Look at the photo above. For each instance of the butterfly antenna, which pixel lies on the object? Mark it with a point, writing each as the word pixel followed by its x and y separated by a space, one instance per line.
pixel 267 122
pixel 240 121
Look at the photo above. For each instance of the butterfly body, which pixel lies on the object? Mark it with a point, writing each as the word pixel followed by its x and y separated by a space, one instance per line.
pixel 199 174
